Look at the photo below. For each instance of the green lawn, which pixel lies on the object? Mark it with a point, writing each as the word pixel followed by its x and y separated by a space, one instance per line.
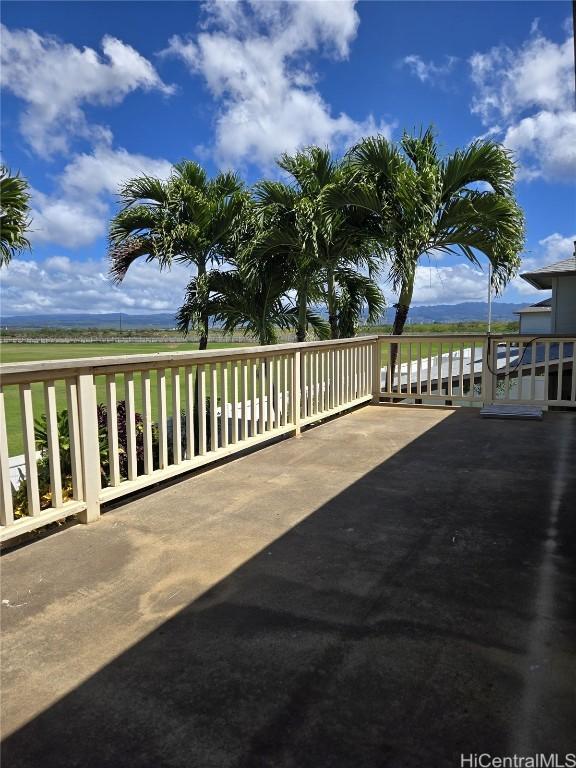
pixel 19 353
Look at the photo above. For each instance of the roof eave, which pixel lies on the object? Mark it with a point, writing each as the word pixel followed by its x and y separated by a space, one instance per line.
pixel 541 282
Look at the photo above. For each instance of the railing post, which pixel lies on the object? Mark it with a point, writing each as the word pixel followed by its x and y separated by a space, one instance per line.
pixel 90 449
pixel 296 393
pixel 376 371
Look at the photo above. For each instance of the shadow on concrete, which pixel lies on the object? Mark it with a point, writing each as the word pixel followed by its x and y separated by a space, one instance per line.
pixel 401 624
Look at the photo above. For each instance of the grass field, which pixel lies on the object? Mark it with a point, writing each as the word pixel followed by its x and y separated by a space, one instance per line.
pixel 20 353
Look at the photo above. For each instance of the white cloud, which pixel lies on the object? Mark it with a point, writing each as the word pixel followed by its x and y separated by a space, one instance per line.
pixel 253 57
pixel 449 284
pixel 60 285
pixel 77 213
pixel 547 145
pixel 555 247
pixel 68 222
pixel 104 169
pixel 56 79
pixel 528 92
pixel 429 71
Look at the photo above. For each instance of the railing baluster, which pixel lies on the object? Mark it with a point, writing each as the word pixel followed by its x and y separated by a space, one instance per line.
pixel 533 353
pixel 439 372
pixel 285 388
pixel 278 384
pixel 162 419
pixel 112 427
pixel 461 378
pixel 176 418
pixel 224 404
pixel 6 506
pixel 201 385
pixel 262 420
pixel 27 412
pixel 130 425
pixel 235 399
pixel 270 393
pixel 472 371
pixel 74 434
pixel 346 376
pixel 519 377
pixel 53 443
pixel 245 399
pixel 507 373
pixel 419 370
pixel 189 389
pixel 429 384
pixel 254 403
pixel 322 381
pixel 546 368
pixel 333 378
pixel 450 356
pixel 296 390
pixel 310 386
pixel 303 384
pixel 213 407
pixel 560 370
pixel 147 421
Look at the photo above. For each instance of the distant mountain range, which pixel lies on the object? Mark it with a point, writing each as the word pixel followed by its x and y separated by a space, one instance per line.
pixel 454 313
pixel 438 313
pixel 111 320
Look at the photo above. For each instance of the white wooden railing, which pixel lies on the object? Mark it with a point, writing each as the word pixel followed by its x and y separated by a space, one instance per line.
pixel 182 411
pixel 479 370
pixel 135 420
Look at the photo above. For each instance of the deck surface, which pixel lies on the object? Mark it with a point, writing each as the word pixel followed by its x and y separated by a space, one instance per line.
pixel 394 588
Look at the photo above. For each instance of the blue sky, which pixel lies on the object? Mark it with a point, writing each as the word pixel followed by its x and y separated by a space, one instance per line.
pixel 95 92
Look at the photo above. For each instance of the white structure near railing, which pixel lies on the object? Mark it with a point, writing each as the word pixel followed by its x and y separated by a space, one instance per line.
pixel 225 401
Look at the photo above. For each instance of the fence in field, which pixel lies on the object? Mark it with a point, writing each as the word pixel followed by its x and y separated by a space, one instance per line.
pixel 110 426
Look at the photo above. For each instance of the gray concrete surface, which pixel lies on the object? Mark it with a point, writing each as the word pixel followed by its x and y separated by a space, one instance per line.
pixel 394 588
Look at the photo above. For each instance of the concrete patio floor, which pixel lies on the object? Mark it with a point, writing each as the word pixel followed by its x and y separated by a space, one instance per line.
pixel 394 588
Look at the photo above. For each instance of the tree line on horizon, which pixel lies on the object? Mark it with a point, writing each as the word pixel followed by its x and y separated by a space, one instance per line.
pixel 263 259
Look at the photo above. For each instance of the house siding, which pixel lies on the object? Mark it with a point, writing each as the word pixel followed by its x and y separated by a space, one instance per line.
pixel 535 322
pixel 564 305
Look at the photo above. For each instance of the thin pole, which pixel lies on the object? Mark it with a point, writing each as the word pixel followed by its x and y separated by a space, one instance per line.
pixel 489 297
pixel 574 34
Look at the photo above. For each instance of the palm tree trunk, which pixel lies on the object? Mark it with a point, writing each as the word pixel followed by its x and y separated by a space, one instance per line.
pixel 402 309
pixel 203 341
pixel 332 307
pixel 302 321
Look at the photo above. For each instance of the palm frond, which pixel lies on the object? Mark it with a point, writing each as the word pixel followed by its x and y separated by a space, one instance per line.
pixel 14 215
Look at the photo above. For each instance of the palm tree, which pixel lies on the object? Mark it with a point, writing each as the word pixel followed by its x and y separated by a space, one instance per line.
pixel 186 219
pixel 14 215
pixel 322 246
pixel 252 296
pixel 417 203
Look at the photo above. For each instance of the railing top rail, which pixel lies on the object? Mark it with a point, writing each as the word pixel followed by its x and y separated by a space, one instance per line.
pixel 447 337
pixel 411 337
pixel 15 373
